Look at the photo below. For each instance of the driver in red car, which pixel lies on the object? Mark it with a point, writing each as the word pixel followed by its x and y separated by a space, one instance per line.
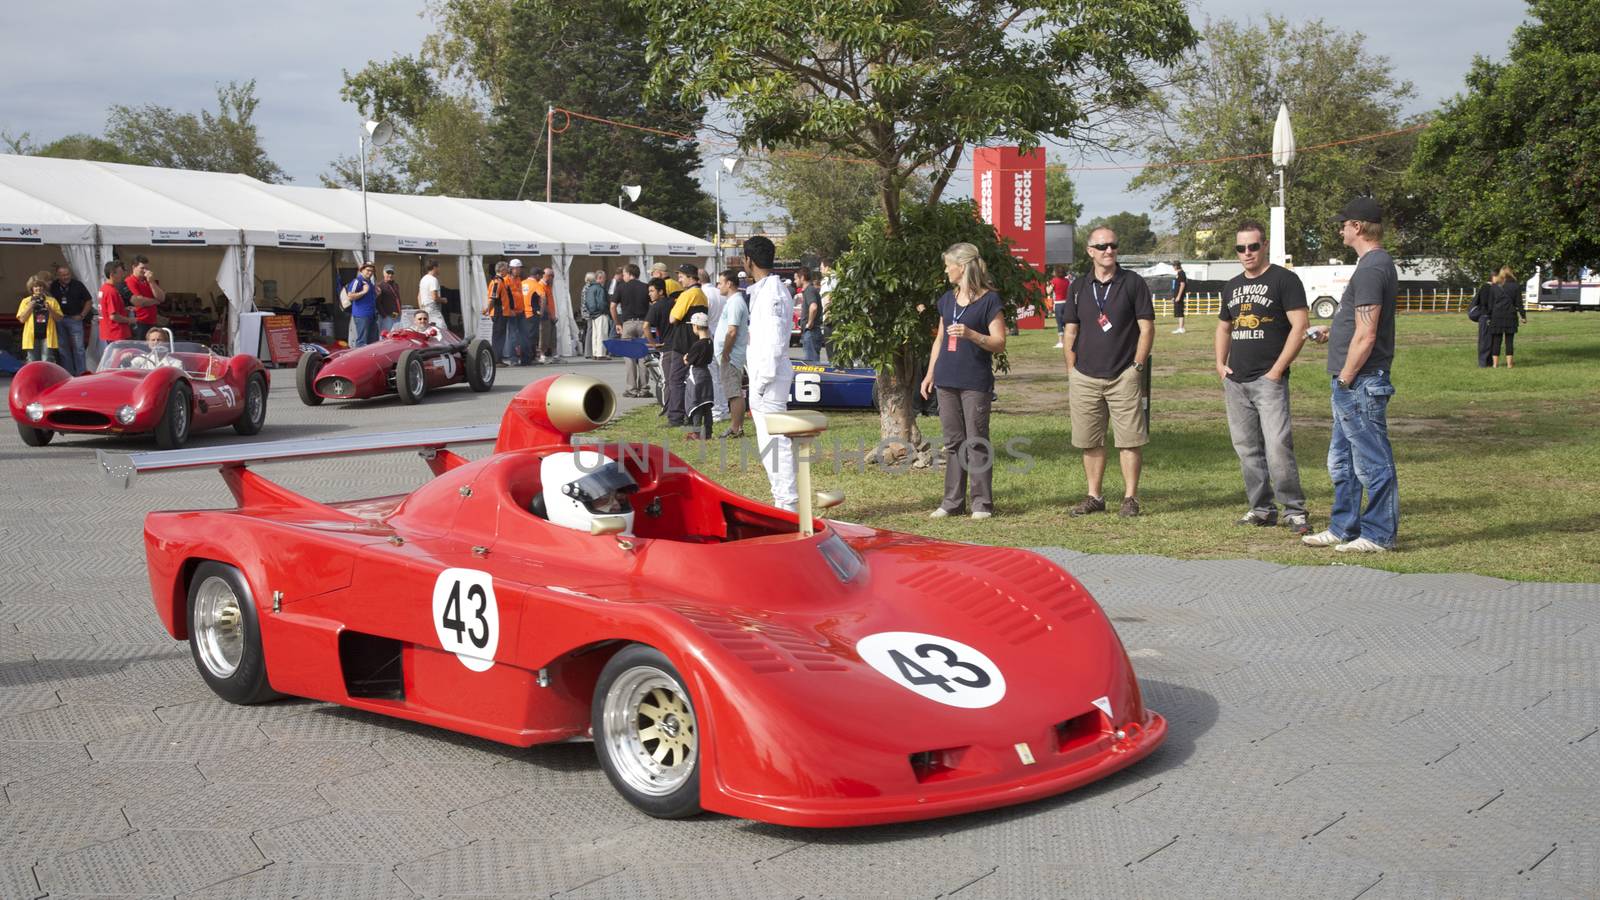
pixel 580 486
pixel 158 352
pixel 421 324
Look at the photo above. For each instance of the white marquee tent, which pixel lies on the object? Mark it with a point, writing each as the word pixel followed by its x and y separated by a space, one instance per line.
pixel 245 230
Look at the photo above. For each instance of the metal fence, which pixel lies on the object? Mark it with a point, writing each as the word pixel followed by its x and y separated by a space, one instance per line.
pixel 1427 300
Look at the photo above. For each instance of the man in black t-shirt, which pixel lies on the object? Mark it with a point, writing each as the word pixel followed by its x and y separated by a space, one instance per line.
pixel 1260 331
pixel 76 305
pixel 1110 328
pixel 630 301
pixel 1180 294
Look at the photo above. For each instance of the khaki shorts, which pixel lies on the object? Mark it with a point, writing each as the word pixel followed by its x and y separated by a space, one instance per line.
pixel 732 377
pixel 1094 400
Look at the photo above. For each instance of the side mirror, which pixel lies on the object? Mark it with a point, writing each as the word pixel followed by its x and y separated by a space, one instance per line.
pixel 608 525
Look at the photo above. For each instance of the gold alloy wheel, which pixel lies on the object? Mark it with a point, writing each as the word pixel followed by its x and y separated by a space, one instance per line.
pixel 650 731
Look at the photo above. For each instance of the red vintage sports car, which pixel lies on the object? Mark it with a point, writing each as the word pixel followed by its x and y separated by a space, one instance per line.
pixel 719 657
pixel 171 389
pixel 405 362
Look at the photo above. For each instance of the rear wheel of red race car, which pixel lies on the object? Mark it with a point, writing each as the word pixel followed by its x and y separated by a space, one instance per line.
pixel 409 379
pixel 255 405
pixel 173 429
pixel 646 733
pixel 480 365
pixel 225 635
pixel 34 437
pixel 305 377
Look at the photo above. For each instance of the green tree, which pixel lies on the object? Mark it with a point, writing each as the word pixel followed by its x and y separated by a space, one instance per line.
pixel 1225 101
pixel 1509 169
pixel 221 141
pixel 1060 196
pixel 438 133
pixel 1134 234
pixel 823 197
pixel 909 84
pixel 84 146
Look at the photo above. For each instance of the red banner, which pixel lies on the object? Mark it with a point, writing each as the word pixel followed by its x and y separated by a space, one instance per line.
pixel 1009 189
pixel 283 341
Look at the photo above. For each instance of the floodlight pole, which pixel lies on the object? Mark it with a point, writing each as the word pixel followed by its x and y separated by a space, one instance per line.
pixel 549 147
pixel 366 227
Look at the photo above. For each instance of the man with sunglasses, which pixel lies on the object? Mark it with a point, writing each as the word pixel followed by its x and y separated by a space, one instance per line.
pixel 1110 328
pixel 1260 331
pixel 1360 355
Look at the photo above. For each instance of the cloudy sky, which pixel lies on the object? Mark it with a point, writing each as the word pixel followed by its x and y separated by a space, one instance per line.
pixel 70 60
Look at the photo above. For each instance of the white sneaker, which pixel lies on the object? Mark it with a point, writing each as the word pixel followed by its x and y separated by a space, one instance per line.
pixel 939 513
pixel 1321 539
pixel 1361 545
pixel 981 514
pixel 1178 331
pixel 1058 345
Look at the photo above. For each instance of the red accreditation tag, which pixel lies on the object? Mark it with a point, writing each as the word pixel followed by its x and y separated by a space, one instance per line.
pixel 950 346
pixel 1105 323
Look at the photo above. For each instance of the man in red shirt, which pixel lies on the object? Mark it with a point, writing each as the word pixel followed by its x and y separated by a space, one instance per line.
pixel 1060 290
pixel 147 295
pixel 116 317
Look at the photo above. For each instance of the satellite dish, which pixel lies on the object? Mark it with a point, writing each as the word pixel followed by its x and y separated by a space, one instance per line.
pixel 732 163
pixel 380 132
pixel 633 191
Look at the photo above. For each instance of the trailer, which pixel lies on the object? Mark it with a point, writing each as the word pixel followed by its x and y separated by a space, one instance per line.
pixel 1573 295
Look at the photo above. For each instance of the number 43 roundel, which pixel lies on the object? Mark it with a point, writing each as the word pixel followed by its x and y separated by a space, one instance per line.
pixel 938 668
pixel 466 617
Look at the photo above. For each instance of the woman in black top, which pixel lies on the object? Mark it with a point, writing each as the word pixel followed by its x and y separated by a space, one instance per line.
pixel 972 328
pixel 1505 307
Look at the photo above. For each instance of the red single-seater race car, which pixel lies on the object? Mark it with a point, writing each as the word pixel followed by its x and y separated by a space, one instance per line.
pixel 405 362
pixel 170 389
pixel 722 654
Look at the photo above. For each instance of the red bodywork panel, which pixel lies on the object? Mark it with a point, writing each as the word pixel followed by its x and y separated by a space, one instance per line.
pixel 369 370
pixel 796 726
pixel 89 403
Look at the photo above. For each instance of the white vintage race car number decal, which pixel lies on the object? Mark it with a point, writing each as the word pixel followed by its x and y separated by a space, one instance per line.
pixel 466 617
pixel 938 668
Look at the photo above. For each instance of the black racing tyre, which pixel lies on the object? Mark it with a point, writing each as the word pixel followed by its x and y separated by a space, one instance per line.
pixel 305 377
pixel 225 635
pixel 1324 307
pixel 254 414
pixel 480 364
pixel 410 379
pixel 172 431
pixel 646 733
pixel 34 437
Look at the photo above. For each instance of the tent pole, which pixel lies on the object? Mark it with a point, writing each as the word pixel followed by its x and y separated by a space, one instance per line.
pixel 549 150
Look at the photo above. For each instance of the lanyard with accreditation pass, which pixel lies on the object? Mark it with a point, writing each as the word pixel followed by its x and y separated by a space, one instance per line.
pixel 950 345
pixel 1100 301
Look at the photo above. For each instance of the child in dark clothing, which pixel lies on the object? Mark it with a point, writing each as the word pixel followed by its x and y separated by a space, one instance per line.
pixel 698 359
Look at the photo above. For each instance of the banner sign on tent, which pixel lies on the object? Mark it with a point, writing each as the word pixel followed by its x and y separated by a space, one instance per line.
pixel 417 245
pixel 306 240
pixel 528 248
pixel 283 342
pixel 599 248
pixel 681 250
pixel 21 234
pixel 181 236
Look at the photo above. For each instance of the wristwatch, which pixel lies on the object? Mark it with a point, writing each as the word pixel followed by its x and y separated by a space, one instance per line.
pixel 1349 386
pixel 1138 367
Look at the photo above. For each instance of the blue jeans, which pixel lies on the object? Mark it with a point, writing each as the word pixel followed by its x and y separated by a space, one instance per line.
pixel 811 343
pixel 70 334
pixel 530 341
pixel 1360 458
pixel 364 330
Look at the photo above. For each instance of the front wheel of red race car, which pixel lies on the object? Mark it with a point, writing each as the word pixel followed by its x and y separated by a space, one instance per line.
pixel 225 635
pixel 255 405
pixel 305 378
pixel 173 429
pixel 646 733
pixel 34 437
pixel 409 379
pixel 480 365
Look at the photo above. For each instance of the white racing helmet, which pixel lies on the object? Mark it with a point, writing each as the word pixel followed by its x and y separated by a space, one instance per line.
pixel 582 485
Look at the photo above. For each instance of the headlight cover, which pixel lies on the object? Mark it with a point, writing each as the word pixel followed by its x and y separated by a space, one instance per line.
pixel 35 411
pixel 125 414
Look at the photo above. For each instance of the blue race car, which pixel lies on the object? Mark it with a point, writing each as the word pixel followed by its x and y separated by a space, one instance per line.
pixel 833 387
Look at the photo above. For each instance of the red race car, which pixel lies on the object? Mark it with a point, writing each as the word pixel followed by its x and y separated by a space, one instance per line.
pixel 404 361
pixel 722 654
pixel 172 389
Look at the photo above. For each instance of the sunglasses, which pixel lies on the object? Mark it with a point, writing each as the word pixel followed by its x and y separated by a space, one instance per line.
pixel 1103 247
pixel 1247 248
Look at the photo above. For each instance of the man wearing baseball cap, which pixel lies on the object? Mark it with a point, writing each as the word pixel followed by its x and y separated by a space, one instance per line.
pixel 388 302
pixel 1360 356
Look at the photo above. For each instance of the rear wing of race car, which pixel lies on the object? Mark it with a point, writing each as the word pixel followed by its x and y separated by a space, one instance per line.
pixel 120 469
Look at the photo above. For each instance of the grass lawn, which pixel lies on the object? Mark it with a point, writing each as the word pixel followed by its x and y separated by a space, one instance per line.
pixel 1499 469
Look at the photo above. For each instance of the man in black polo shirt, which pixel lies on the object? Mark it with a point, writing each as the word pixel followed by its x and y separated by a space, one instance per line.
pixel 1110 328
pixel 629 304
pixel 76 304
pixel 1260 331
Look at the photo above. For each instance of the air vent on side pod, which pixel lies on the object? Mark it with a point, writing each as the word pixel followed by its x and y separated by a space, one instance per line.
pixel 1010 618
pixel 1037 580
pixel 767 647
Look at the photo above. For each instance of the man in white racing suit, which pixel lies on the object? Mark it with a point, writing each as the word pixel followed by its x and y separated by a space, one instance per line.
pixel 771 318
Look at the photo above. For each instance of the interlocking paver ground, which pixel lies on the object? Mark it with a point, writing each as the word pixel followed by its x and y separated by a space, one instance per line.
pixel 1336 731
